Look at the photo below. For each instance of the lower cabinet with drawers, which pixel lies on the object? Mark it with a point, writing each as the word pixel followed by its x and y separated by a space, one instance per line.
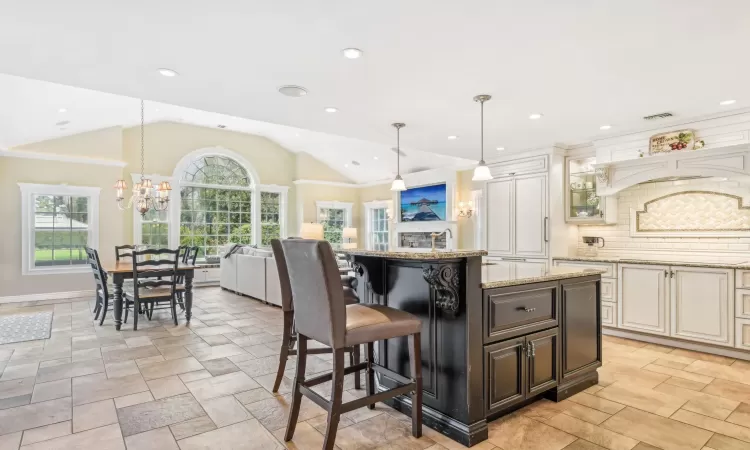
pixel 540 339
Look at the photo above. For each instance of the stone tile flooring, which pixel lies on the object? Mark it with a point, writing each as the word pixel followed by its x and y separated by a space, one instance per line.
pixel 207 386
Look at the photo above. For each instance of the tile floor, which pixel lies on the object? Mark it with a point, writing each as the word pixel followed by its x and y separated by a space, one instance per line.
pixel 207 386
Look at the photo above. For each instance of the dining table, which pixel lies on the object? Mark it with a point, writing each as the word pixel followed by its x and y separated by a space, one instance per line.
pixel 123 270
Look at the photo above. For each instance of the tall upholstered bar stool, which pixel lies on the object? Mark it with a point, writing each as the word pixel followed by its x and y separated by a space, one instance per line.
pixel 321 314
pixel 289 337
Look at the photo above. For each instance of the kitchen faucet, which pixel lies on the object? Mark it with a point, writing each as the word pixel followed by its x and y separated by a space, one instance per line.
pixel 436 235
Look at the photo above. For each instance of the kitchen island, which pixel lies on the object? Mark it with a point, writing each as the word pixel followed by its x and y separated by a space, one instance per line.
pixel 492 341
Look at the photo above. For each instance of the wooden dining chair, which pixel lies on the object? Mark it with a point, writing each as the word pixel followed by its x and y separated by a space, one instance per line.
pixel 102 289
pixel 154 281
pixel 124 251
pixel 321 314
pixel 289 336
pixel 188 258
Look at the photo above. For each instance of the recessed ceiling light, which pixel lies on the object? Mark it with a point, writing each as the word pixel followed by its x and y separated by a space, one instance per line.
pixel 346 165
pixel 728 102
pixel 293 91
pixel 62 110
pixel 352 53
pixel 535 116
pixel 167 72
pixel 452 138
pixel 375 158
pixel 500 148
pixel 331 109
pixel 605 127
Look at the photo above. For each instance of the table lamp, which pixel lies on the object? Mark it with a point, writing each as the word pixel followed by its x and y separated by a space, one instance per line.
pixel 311 231
pixel 350 233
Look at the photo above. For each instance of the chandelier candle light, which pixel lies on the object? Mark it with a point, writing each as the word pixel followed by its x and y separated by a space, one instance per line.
pixel 143 192
pixel 482 172
pixel 398 183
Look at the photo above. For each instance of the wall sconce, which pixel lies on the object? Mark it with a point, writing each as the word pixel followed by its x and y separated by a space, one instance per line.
pixel 465 210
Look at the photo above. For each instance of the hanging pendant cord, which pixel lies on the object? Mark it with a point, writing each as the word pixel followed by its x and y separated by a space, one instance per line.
pixel 482 129
pixel 398 151
pixel 142 147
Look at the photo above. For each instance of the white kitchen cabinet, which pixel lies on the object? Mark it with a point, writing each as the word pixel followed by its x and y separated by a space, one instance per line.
pixel 510 267
pixel 742 334
pixel 499 211
pixel 702 304
pixel 530 268
pixel 517 221
pixel 609 289
pixel 609 311
pixel 531 224
pixel 742 303
pixel 643 298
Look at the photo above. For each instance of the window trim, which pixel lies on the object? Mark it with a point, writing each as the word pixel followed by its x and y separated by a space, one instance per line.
pixel 175 207
pixel 369 208
pixel 28 191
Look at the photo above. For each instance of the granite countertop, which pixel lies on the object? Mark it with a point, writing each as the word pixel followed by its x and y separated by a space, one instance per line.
pixel 418 255
pixel 496 275
pixel 744 265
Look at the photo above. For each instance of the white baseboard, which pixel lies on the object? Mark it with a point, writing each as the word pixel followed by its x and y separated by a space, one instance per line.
pixel 47 296
pixel 671 342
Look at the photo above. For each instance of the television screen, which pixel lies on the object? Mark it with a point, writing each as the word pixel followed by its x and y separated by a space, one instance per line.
pixel 423 203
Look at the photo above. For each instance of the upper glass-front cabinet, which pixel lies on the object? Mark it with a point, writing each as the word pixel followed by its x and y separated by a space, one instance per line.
pixel 582 203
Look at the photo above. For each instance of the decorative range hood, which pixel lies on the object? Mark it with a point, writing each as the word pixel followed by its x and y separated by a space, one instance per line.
pixel 731 162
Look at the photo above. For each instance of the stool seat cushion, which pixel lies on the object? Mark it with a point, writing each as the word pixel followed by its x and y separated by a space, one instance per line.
pixel 369 323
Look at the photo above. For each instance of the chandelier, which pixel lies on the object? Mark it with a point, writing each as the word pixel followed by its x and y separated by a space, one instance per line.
pixel 145 197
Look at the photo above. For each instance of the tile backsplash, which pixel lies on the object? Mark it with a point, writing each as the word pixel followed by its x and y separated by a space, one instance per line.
pixel 619 241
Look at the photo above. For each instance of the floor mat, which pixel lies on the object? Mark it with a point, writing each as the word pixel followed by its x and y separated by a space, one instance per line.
pixel 25 327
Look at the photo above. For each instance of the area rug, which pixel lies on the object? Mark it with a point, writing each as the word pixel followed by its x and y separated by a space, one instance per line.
pixel 25 327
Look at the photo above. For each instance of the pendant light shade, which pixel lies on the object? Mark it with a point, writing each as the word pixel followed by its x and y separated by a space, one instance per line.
pixel 398 183
pixel 482 172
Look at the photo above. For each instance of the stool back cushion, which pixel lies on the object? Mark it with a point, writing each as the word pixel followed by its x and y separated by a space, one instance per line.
pixel 286 287
pixel 319 306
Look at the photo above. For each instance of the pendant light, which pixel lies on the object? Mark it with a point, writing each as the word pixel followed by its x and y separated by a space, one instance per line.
pixel 398 183
pixel 482 172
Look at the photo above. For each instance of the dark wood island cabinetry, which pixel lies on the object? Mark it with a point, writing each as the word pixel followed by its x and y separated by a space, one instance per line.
pixel 490 343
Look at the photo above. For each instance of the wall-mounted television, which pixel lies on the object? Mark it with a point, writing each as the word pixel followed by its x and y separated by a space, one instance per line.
pixel 424 203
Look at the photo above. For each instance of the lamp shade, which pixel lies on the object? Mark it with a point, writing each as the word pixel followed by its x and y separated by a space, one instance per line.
pixel 350 233
pixel 312 231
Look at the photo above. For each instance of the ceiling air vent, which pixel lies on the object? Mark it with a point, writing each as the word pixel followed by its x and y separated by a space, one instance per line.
pixel 400 152
pixel 663 115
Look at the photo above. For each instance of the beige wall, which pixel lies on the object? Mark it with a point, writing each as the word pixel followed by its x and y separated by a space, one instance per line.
pixel 99 144
pixel 17 170
pixel 309 194
pixel 464 186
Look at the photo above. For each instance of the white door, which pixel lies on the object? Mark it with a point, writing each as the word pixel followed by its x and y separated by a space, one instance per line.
pixel 499 211
pixel 702 304
pixel 643 294
pixel 531 221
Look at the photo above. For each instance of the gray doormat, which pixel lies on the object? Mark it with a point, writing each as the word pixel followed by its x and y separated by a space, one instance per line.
pixel 25 327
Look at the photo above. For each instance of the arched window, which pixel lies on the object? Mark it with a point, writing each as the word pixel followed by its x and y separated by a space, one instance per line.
pixel 220 202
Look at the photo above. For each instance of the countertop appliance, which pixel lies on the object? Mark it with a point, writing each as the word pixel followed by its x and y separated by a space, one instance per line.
pixel 592 245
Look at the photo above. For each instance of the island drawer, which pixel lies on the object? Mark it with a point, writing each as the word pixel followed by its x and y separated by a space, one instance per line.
pixel 518 310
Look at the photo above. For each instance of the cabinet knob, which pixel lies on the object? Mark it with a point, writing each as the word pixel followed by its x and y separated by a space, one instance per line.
pixel 529 309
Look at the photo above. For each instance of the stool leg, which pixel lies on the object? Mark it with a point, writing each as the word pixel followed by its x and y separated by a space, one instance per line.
pixel 284 354
pixel 415 364
pixel 337 390
pixel 370 373
pixel 356 359
pixel 299 377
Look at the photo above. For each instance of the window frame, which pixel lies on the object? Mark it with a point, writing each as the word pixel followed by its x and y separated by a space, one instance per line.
pixel 175 207
pixel 346 206
pixel 28 222
pixel 370 207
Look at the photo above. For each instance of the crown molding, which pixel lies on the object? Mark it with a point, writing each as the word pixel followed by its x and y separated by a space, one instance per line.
pixel 61 158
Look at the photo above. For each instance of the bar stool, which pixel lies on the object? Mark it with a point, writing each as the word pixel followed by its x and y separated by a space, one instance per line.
pixel 289 337
pixel 321 314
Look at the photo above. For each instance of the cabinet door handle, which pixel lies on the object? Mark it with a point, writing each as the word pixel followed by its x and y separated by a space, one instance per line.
pixel 510 258
pixel 529 309
pixel 532 350
pixel 546 229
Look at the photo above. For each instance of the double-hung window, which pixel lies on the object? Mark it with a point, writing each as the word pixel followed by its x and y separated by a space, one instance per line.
pixel 377 225
pixel 57 223
pixel 334 216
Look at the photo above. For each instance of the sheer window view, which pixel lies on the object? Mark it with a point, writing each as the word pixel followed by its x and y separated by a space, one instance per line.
pixel 379 227
pixel 60 230
pixel 216 205
pixel 334 221
pixel 155 229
